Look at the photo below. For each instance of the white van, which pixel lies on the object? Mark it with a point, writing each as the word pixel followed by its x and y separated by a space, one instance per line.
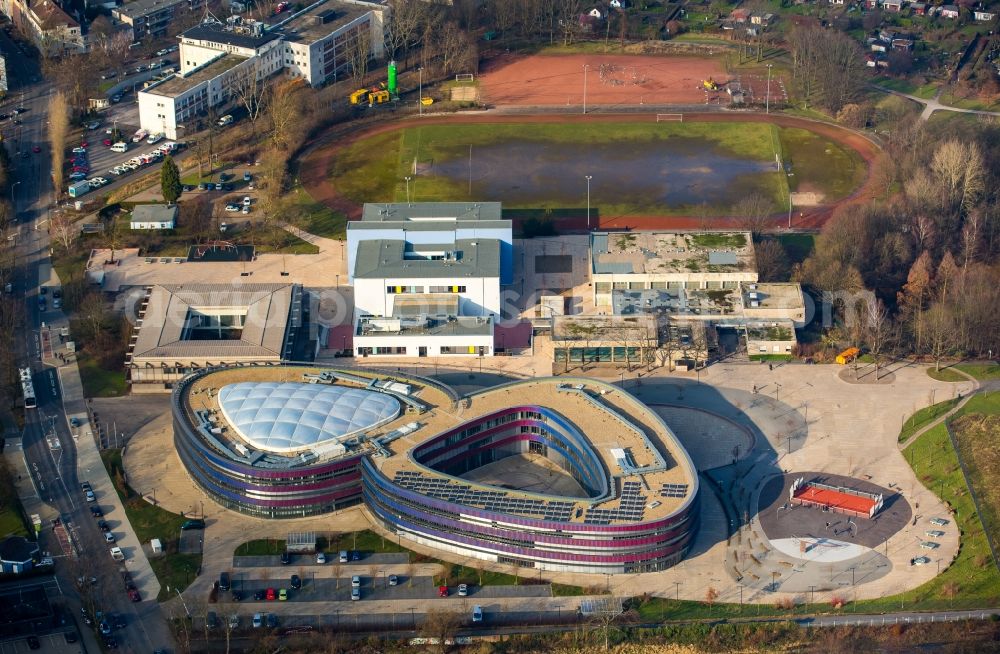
pixel 120 146
pixel 154 138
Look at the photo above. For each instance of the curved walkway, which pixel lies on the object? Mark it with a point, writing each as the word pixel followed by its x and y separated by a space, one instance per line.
pixel 317 163
pixel 977 388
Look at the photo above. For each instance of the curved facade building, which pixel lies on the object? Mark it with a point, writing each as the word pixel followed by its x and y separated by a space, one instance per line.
pixel 556 474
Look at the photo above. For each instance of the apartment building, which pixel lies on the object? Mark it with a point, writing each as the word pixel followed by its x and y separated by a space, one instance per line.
pixel 152 17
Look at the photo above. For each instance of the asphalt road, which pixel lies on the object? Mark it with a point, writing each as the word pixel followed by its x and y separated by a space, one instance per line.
pixel 48 446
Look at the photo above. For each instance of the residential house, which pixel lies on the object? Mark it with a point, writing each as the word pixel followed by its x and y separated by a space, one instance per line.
pixel 871 4
pixel 618 4
pixel 740 15
pixel 902 45
pixel 836 2
pixel 51 28
pixel 919 8
pixel 761 19
pixel 154 216
pixel 948 11
pixel 983 16
pixel 596 13
pixel 893 5
pixel 876 45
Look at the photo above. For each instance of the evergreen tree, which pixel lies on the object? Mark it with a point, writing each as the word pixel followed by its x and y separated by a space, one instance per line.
pixel 170 180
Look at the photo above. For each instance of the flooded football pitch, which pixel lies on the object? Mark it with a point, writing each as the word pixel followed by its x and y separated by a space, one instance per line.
pixel 678 172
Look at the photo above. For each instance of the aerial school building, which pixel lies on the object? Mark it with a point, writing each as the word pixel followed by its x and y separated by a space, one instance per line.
pixel 618 492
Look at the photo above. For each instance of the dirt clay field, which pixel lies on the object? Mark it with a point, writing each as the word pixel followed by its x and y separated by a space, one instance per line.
pixel 611 80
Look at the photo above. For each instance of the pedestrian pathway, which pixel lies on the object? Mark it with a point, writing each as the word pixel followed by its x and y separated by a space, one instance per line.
pixel 934 104
pixel 958 407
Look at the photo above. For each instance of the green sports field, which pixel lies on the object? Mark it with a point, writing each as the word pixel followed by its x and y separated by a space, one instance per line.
pixel 636 168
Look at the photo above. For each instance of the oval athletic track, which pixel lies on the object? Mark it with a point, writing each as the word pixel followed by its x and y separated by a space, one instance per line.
pixel 317 162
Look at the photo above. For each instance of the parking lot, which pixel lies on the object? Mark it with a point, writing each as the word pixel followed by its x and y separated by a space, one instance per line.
pixel 377 588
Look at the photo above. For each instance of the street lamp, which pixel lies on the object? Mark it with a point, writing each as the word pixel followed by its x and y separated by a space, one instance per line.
pixel 407 178
pixel 589 177
pixel 13 196
pixel 420 93
pixel 767 102
pixel 586 68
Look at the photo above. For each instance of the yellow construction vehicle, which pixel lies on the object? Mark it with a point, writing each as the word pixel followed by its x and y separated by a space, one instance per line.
pixel 380 96
pixel 359 97
pixel 710 84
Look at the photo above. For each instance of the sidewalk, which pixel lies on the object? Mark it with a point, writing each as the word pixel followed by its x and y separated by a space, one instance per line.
pixel 89 465
pixel 958 407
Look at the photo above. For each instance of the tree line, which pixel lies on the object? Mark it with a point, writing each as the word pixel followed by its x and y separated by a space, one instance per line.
pixel 927 253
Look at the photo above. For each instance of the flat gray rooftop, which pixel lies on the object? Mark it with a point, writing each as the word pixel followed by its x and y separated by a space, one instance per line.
pixel 430 211
pixel 470 259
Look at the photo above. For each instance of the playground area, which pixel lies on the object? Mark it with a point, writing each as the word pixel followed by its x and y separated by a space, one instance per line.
pixel 611 80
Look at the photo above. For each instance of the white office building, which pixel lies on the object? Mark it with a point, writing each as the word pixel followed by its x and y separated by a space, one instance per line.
pixel 427 278
pixel 310 44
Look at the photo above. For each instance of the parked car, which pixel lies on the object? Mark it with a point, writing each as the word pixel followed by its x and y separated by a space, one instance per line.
pixel 393 580
pixel 272 621
pixel 232 208
pixel 477 613
pixel 296 582
pixel 258 595
pixel 109 537
pixel 356 581
pixel 258 620
pixel 195 523
pixel 320 558
pixel 283 595
pixel 133 595
pixel 463 590
pixel 355 594
pixel 442 591
pixel 271 595
pixel 286 558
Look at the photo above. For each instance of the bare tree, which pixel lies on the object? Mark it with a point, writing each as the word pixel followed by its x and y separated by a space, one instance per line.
pixel 877 329
pixel 58 129
pixel 406 19
pixel 752 213
pixel 93 312
pixel 285 112
pixel 62 228
pixel 250 89
pixel 441 625
pixel 358 54
pixel 456 50
pixel 940 335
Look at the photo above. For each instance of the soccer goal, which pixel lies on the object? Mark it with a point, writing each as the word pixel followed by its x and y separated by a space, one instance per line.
pixel 464 77
pixel 676 118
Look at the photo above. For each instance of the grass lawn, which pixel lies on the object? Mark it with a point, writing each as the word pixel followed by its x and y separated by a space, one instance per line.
pixel 924 417
pixel 301 210
pixel 98 381
pixel 261 547
pixel 976 431
pixel 981 371
pixel 924 91
pixel 798 247
pixel 946 374
pixel 819 165
pixel 149 521
pixel 11 523
pixel 375 169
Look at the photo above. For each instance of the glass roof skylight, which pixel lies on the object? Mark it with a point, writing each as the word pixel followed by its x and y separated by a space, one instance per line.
pixel 290 416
